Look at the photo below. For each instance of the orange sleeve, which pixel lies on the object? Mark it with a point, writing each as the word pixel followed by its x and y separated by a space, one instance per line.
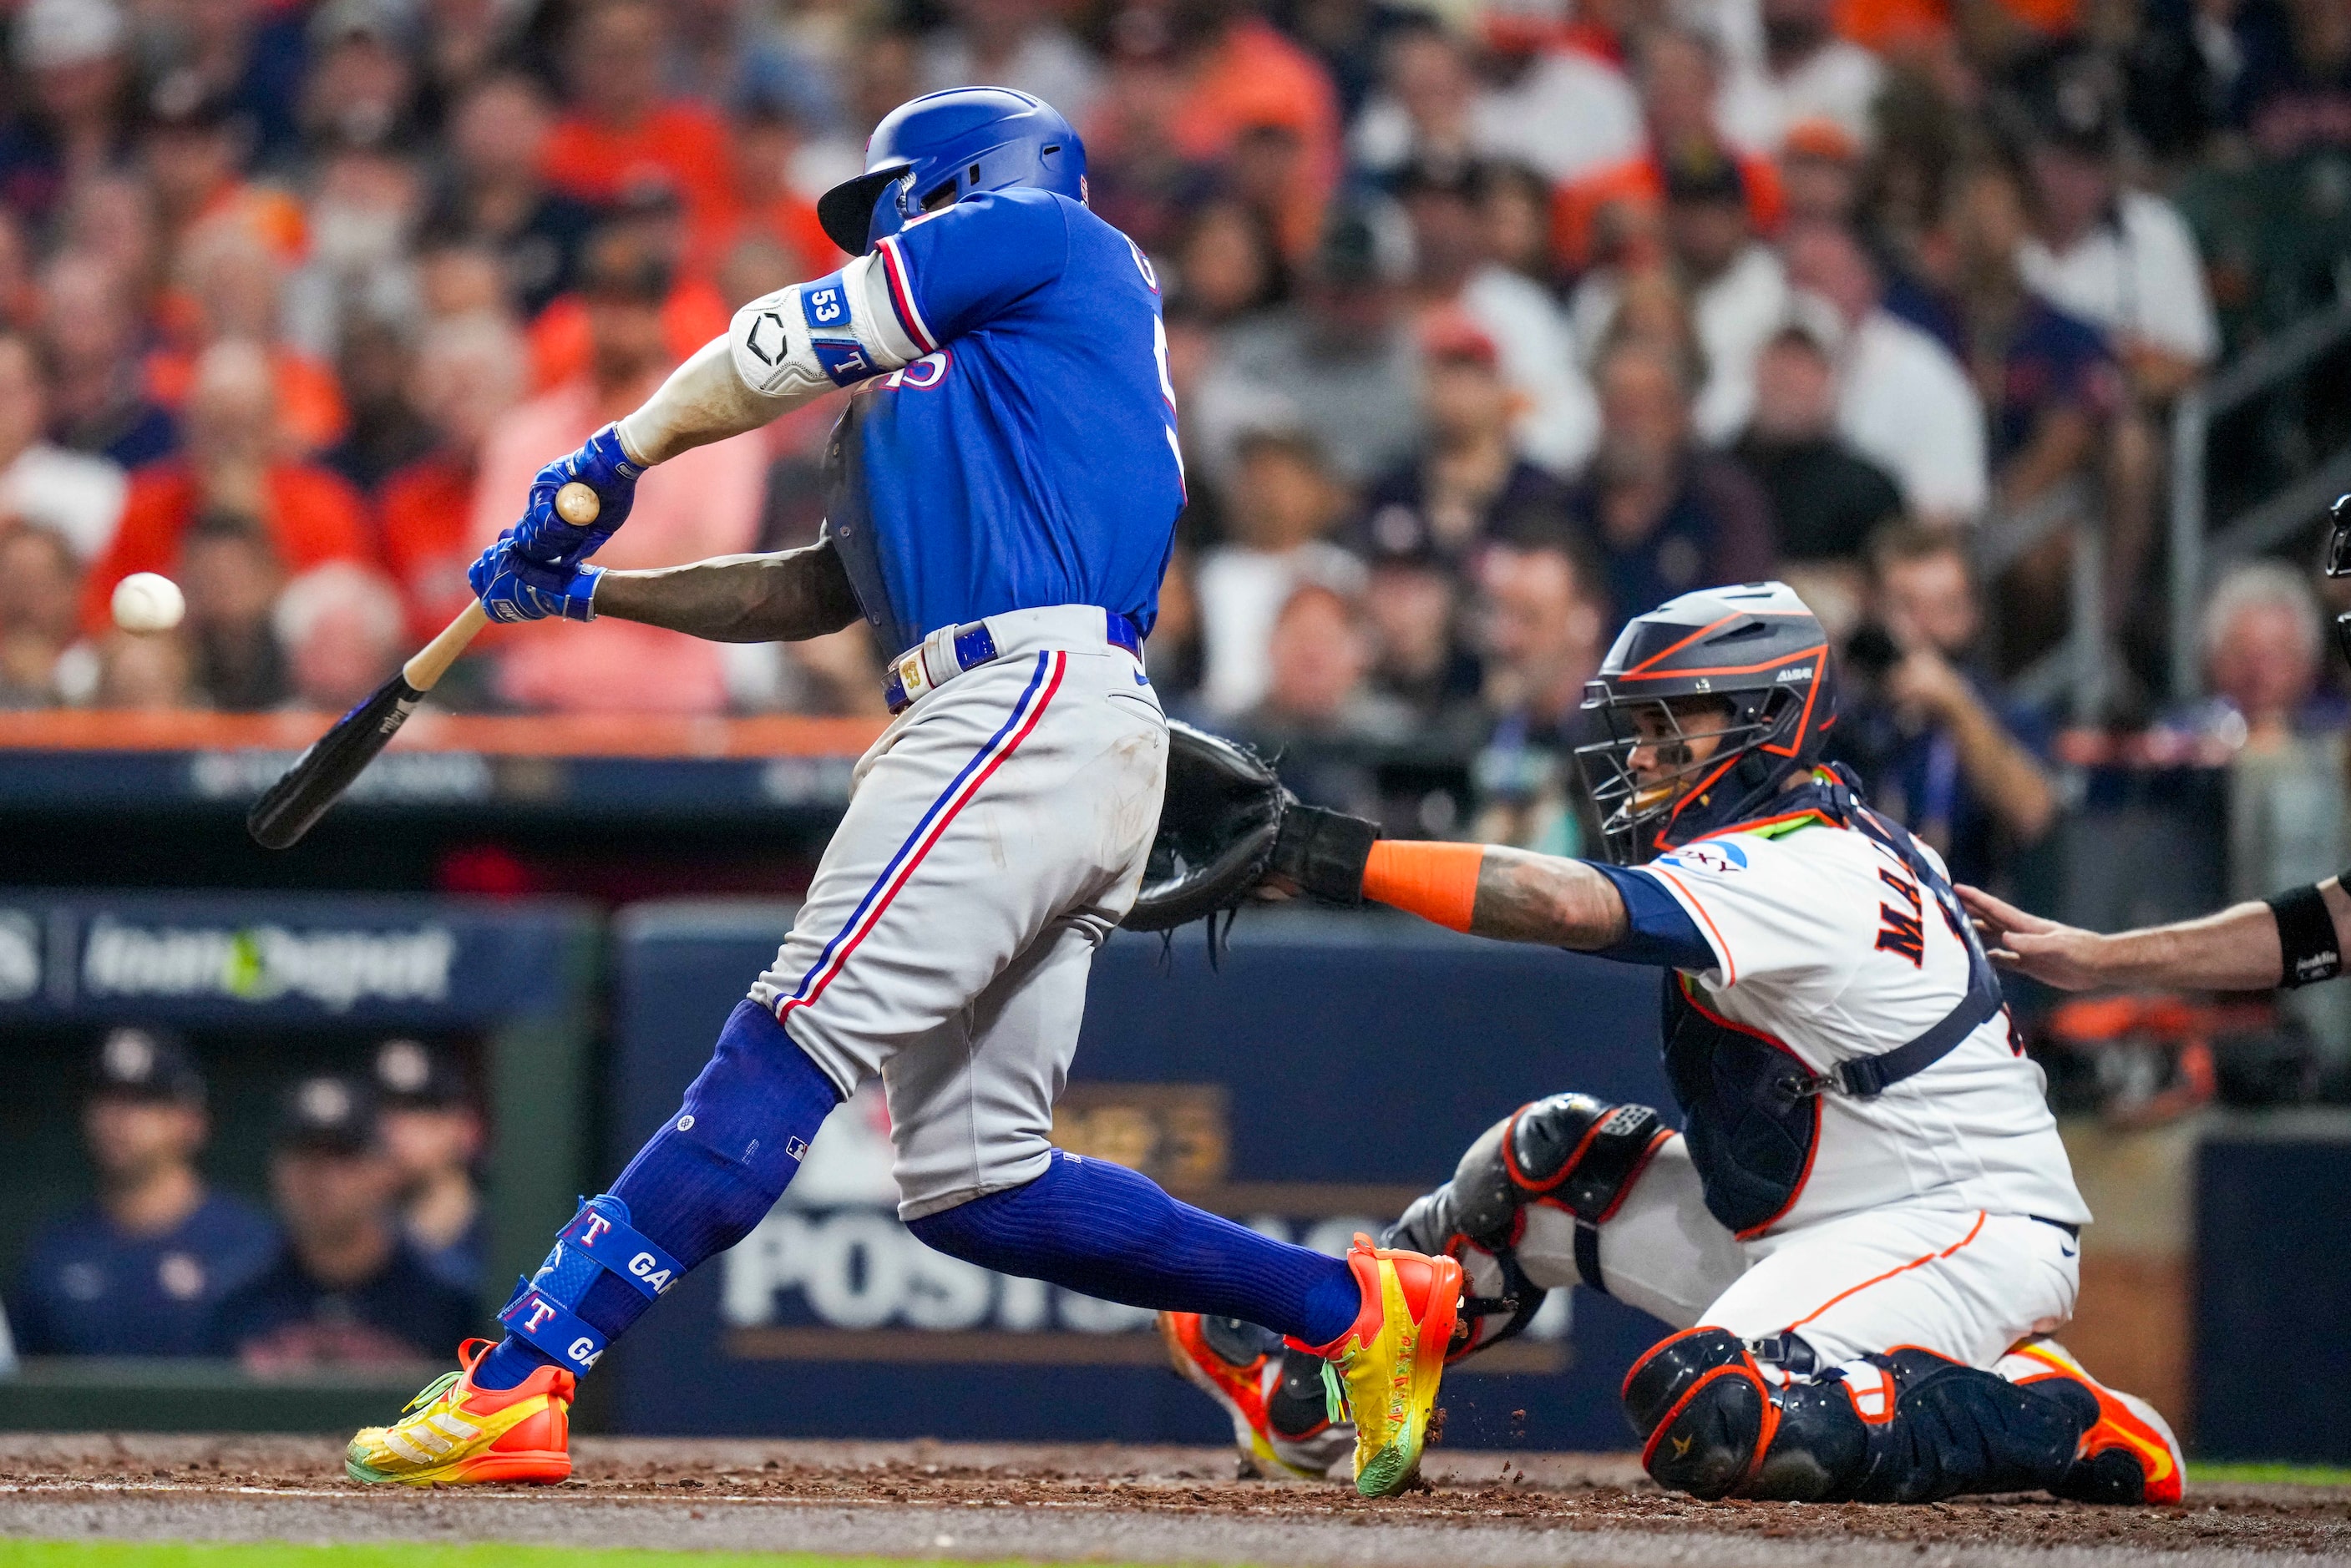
pixel 317 517
pixel 572 162
pixel 693 313
pixel 309 401
pixel 1767 201
pixel 1438 882
pixel 559 348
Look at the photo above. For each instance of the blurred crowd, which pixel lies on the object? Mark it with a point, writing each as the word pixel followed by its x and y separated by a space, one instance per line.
pixel 368 1253
pixel 1492 323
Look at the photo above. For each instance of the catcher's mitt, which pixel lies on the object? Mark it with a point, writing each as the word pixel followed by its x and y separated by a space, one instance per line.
pixel 1227 825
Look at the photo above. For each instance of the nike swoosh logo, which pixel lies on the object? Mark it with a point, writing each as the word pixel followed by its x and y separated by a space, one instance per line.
pixel 1142 680
pixel 2066 1251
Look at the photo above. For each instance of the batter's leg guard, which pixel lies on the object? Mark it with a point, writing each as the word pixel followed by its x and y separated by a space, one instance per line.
pixel 600 1240
pixel 1572 1151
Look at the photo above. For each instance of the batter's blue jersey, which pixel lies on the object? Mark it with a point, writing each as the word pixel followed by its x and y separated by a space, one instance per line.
pixel 1029 458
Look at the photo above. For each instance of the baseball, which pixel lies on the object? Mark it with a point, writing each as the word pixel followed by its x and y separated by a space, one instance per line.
pixel 577 504
pixel 148 601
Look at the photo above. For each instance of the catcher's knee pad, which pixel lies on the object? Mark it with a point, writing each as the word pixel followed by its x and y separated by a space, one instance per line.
pixel 1572 1152
pixel 1700 1407
pixel 1576 1152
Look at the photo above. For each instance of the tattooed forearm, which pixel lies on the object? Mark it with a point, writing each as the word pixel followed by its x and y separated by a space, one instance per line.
pixel 1525 898
pixel 782 597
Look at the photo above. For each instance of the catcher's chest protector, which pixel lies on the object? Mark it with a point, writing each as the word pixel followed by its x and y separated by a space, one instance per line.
pixel 1750 1112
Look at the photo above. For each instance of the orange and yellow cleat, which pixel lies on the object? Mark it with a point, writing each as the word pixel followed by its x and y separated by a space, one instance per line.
pixel 1243 1374
pixel 1385 1370
pixel 2129 1455
pixel 454 1434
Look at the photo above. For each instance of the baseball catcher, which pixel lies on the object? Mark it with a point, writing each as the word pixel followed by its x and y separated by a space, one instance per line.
pixel 1002 498
pixel 1866 1229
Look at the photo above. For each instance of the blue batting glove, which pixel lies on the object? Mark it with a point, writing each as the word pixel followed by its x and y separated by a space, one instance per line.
pixel 604 467
pixel 512 588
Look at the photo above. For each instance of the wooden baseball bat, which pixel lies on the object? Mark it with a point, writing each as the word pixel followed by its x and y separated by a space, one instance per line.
pixel 320 774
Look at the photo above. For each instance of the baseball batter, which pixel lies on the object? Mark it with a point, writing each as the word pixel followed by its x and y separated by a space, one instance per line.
pixel 1002 497
pixel 1868 1228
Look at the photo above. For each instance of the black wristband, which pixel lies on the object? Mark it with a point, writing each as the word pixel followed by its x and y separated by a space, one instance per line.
pixel 1324 852
pixel 2306 934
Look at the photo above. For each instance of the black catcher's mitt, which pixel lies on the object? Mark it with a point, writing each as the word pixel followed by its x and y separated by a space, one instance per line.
pixel 1227 825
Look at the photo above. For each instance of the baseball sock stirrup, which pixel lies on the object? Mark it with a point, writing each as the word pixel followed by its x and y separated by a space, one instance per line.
pixel 600 1240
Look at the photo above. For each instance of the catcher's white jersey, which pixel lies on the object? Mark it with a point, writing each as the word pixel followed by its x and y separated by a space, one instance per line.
pixel 1827 944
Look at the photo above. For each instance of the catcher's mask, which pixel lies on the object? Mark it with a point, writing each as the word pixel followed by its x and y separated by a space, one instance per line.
pixel 2338 562
pixel 1710 702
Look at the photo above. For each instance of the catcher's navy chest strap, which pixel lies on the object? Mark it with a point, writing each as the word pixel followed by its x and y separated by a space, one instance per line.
pixel 952 650
pixel 1864 1078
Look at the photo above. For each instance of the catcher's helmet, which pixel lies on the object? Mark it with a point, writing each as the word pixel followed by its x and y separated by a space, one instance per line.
pixel 932 151
pixel 1756 649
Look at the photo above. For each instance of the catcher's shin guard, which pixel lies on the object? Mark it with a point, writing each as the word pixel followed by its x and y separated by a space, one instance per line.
pixel 1572 1151
pixel 2128 1455
pixel 1905 1427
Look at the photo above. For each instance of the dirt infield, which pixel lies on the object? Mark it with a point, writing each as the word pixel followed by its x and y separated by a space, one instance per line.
pixel 1138 1504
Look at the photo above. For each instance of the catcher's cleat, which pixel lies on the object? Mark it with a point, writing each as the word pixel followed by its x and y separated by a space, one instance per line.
pixel 2129 1456
pixel 1239 1365
pixel 454 1434
pixel 1385 1370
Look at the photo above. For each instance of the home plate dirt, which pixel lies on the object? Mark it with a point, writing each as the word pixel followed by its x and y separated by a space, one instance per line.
pixel 1103 1504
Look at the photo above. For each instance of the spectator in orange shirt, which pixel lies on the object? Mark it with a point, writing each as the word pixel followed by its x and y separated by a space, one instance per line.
pixel 232 465
pixel 705 503
pixel 1613 214
pixel 468 374
pixel 620 131
pixel 693 311
pixel 232 285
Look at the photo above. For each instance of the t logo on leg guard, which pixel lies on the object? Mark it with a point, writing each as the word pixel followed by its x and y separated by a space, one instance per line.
pixel 541 1314
pixel 597 1225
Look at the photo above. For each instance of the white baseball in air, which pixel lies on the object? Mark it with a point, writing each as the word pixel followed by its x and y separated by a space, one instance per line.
pixel 148 601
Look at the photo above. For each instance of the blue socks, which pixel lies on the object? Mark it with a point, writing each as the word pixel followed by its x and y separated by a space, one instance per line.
pixel 715 1170
pixel 700 1185
pixel 1103 1229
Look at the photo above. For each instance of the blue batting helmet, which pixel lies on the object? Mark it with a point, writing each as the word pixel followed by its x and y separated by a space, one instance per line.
pixel 932 151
